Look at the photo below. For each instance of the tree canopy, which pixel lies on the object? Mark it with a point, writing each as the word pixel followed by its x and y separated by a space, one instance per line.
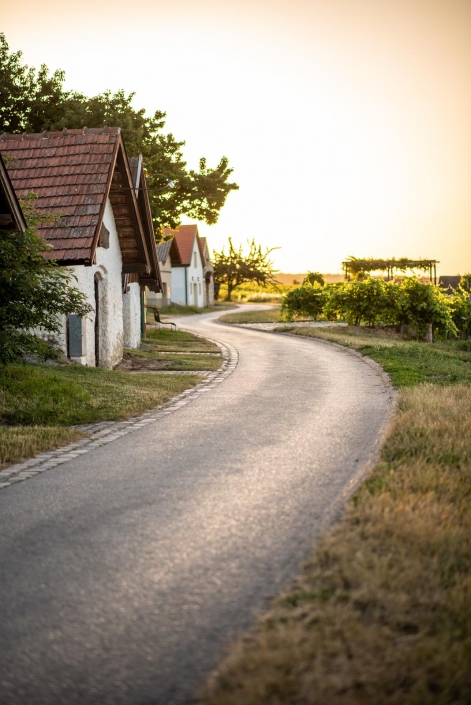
pixel 235 268
pixel 35 100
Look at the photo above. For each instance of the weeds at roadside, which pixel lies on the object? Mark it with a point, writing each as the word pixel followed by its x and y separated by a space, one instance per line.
pixel 20 442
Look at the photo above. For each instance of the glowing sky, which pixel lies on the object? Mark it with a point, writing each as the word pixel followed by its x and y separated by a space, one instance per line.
pixel 347 122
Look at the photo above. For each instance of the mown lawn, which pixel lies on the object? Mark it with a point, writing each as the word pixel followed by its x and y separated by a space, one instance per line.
pixel 167 340
pixel 183 310
pixel 381 613
pixel 39 403
pixel 268 315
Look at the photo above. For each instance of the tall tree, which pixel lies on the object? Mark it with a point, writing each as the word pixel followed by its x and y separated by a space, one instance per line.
pixel 235 268
pixel 33 101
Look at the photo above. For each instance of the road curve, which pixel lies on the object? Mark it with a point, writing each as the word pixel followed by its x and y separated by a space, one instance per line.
pixel 126 573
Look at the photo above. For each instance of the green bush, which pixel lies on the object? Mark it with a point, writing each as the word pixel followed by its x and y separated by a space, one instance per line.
pixel 421 305
pixel 376 302
pixel 369 302
pixel 306 301
pixel 460 307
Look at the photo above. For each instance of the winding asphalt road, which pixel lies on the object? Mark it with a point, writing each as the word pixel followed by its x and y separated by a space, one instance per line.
pixel 126 573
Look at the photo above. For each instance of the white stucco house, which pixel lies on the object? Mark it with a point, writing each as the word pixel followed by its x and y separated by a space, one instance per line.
pixel 104 233
pixel 188 255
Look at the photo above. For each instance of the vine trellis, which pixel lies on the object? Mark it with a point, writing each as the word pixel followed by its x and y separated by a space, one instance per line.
pixel 353 266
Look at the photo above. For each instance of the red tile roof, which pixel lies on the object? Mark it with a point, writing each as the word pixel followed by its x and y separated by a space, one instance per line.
pixel 184 238
pixel 71 172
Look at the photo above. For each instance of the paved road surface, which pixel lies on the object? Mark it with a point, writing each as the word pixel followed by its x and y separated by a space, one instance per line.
pixel 125 574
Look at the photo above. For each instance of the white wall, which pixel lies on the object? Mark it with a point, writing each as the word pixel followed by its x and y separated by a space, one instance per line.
pixel 178 285
pixel 159 300
pixel 108 269
pixel 132 316
pixel 195 278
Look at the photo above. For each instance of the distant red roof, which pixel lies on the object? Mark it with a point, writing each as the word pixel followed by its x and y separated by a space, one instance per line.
pixel 73 172
pixel 183 240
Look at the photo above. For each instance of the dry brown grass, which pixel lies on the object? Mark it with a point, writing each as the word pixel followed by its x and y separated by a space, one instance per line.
pixel 20 442
pixel 381 614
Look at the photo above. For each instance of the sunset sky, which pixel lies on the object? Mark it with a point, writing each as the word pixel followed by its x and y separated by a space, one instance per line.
pixel 347 122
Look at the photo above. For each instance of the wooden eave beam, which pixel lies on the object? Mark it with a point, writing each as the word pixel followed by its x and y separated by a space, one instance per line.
pixel 128 188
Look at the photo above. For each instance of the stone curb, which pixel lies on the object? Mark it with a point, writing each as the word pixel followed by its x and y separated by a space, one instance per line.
pixel 105 432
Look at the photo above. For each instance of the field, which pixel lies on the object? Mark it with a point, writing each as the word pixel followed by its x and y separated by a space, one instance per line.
pixel 381 613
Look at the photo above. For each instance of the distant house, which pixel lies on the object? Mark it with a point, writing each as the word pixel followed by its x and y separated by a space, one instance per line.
pixel 191 265
pixel 163 298
pixel 449 283
pixel 208 275
pixel 102 233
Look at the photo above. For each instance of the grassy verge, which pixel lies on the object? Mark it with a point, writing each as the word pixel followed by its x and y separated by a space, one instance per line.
pixel 181 341
pixel 407 362
pixel 39 403
pixel 22 442
pixel 270 315
pixel 381 613
pixel 39 395
pixel 181 310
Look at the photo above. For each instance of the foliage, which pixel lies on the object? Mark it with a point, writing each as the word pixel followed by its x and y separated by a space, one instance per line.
pixel 421 305
pixel 312 278
pixel 34 291
pixel 358 267
pixel 306 301
pixel 235 267
pixel 33 101
pixel 460 305
pixel 376 302
pixel 465 282
pixel 370 302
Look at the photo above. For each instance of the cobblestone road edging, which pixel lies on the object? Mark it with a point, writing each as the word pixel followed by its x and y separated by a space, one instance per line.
pixel 109 431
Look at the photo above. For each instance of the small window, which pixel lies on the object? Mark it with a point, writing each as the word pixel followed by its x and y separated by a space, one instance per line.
pixel 199 286
pixel 194 259
pixel 104 239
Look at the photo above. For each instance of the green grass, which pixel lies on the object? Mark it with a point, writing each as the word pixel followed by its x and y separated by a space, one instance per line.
pixel 381 612
pixel 182 310
pixel 270 315
pixel 182 357
pixel 39 402
pixel 174 361
pixel 182 341
pixel 407 362
pixel 65 396
pixel 21 442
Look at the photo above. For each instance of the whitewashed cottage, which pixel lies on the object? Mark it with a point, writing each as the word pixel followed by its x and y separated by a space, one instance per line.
pixel 102 234
pixel 190 262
